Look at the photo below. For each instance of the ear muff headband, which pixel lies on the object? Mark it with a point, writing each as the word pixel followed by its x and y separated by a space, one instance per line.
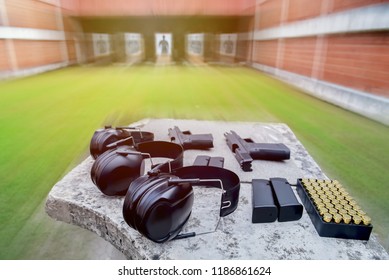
pixel 165 150
pixel 158 206
pixel 212 176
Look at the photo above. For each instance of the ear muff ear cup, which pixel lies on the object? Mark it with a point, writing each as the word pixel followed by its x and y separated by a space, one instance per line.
pixel 157 209
pixel 164 216
pixel 103 137
pixel 113 172
pixel 134 193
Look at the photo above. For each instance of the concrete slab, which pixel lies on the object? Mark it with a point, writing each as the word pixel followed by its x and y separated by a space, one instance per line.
pixel 76 200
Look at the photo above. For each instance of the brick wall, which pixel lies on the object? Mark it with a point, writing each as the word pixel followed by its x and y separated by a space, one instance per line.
pixel 35 19
pixel 4 65
pixel 303 9
pixel 357 60
pixel 37 53
pixel 340 5
pixel 298 55
pixel 31 14
pixel 163 8
pixel 270 14
pixel 265 52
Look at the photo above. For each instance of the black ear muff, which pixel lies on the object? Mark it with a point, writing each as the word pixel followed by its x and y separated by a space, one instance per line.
pixel 164 210
pixel 158 209
pixel 159 205
pixel 134 193
pixel 102 138
pixel 114 170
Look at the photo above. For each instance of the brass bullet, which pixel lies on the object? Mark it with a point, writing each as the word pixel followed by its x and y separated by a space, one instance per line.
pixel 336 193
pixel 327 217
pixel 323 210
pixel 329 205
pixel 357 219
pixel 346 218
pixel 305 180
pixel 319 191
pixel 345 193
pixel 311 192
pixel 366 220
pixel 360 212
pixel 341 189
pixel 352 202
pixel 347 206
pixel 357 207
pixel 337 218
pixel 315 195
pixel 326 200
pixel 343 211
pixel 338 206
pixel 348 198
pixel 343 202
pixel 326 189
pixel 320 205
pixel 335 202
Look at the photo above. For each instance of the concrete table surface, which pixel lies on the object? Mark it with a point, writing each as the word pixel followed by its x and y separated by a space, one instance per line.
pixel 76 200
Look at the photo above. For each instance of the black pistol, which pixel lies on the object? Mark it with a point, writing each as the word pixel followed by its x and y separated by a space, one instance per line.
pixel 246 150
pixel 190 141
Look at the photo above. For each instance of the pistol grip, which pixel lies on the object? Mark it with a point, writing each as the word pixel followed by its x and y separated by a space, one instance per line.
pixel 244 159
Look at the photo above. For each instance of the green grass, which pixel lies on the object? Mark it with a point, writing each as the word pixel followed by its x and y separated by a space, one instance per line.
pixel 47 120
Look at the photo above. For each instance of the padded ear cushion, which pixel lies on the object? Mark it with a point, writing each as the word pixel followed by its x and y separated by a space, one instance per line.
pixel 165 218
pixel 99 164
pixel 152 193
pixel 134 192
pixel 103 137
pixel 113 173
pixel 100 140
pixel 157 209
pixel 93 147
pixel 163 210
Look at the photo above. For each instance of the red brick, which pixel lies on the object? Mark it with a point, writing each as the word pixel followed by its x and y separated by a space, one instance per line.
pixel 303 9
pixel 298 55
pixel 341 5
pixel 31 14
pixel 265 52
pixel 360 61
pixel 166 7
pixel 37 53
pixel 269 14
pixel 4 65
